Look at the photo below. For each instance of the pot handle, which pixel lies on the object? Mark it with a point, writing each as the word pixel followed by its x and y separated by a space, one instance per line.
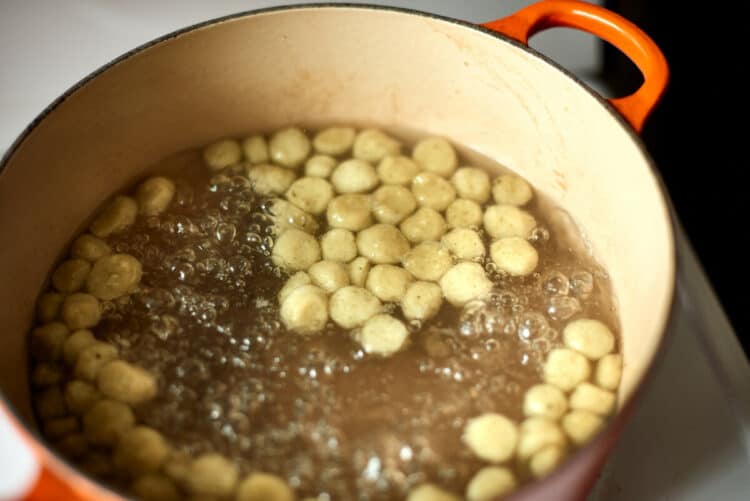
pixel 615 29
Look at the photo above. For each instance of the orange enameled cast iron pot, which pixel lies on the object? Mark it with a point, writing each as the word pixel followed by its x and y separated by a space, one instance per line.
pixel 480 86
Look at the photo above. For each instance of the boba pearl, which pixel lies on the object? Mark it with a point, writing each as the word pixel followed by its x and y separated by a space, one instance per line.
pixel 81 396
pixel 48 306
pixel 566 368
pixel 608 371
pixel 329 275
pixel 48 340
pixel 46 374
pixel 388 282
pixel 294 282
pixel 89 248
pixel 334 140
pixel 581 426
pixel 422 301
pixel 154 487
pixel 154 195
pixel 382 244
pixel 350 212
pixel 255 149
pixel 125 382
pixel 464 244
pixel 212 475
pixel 383 335
pixel 295 250
pixel 289 147
pixel 354 176
pixel 463 282
pixel 545 400
pixel 490 483
pixel 80 311
pixel 92 358
pixel 491 437
pixel 140 450
pixel 114 276
pixel 397 169
pixel 270 179
pixel 50 403
pixel 392 203
pixel 472 183
pixel 515 256
pixel 425 225
pixel 463 213
pixel 372 145
pixel 117 215
pixel 359 268
pixel 503 221
pixel 543 462
pixel 71 275
pixel 589 397
pixel 590 337
pixel 311 194
pixel 430 492
pixel 222 154
pixel 435 155
pixel 60 427
pixel 537 433
pixel 352 306
pixel 264 487
pixel 73 446
pixel 320 166
pixel 286 215
pixel 75 344
pixel 305 310
pixel 107 421
pixel 509 189
pixel 428 261
pixel 432 191
pixel 338 245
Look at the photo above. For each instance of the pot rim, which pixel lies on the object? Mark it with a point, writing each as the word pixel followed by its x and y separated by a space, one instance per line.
pixel 615 424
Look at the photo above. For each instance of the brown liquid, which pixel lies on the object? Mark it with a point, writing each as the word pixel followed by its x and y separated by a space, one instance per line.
pixel 317 410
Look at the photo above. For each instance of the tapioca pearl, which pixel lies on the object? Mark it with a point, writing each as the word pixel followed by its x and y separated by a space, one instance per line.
pixel 295 250
pixel 320 166
pixel 566 368
pixel 545 400
pixel 89 248
pixel 589 397
pixel 515 256
pixel 350 212
pixel 289 147
pixel 491 437
pixel 293 282
pixel 388 282
pixel 154 195
pixel 430 492
pixel 305 310
pixel 107 421
pixel 212 475
pixel 392 203
pixel 338 245
pixel 504 221
pixel 222 154
pixel 311 194
pixel 255 149
pixel 50 403
pixel 462 213
pixel 286 215
pixel 155 487
pixel 581 426
pixel 382 335
pixel 382 244
pixel 140 450
pixel 80 396
pixel 428 261
pixel 509 189
pixel 590 337
pixel 329 275
pixel 352 306
pixel 76 343
pixel 48 306
pixel 537 433
pixel 425 225
pixel 47 341
pixel 264 487
pixel 372 145
pixel 464 243
pixel 544 461
pixel 397 169
pixel 92 358
pixel 71 275
pixel 490 483
pixel 608 371
pixel 422 301
pixel 354 176
pixel 463 282
pixel 359 269
pixel 432 191
pixel 118 214
pixel 81 311
pixel 334 140
pixel 436 155
pixel 114 276
pixel 269 180
pixel 472 183
pixel 125 382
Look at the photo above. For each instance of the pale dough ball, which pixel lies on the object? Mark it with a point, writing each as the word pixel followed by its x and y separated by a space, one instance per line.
pixel 504 221
pixel 464 243
pixel 339 245
pixel 117 215
pixel 589 397
pixel 472 183
pixel 264 487
pixel 509 189
pixel 59 427
pixel 352 306
pixel 81 396
pixel 383 335
pixel 114 276
pixel 295 250
pixel 359 268
pixel 73 446
pixel 537 433
pixel 392 203
pixel 80 311
pixel 50 403
pixel 46 374
pixel 154 487
pixel 47 341
pixel 581 426
pixel 255 149
pixel 372 145
pixel 97 464
pixel 491 437
pixel 425 225
pixel 305 310
pixel 432 191
pixel 92 358
pixel 397 169
pixel 177 467
pixel 125 382
pixel 107 421
pixel 140 450
pixel 48 306
pixel 320 166
pixel 71 275
pixel 388 282
pixel 354 176
pixel 154 195
pixel 566 368
pixel 463 282
pixel 270 179
pixel 608 371
pixel 286 215
pixel 294 282
pixel 490 483
pixel 90 248
pixel 75 343
pixel 350 212
pixel 382 244
pixel 422 301
pixel 213 475
pixel 435 154
pixel 545 400
pixel 289 147
pixel 590 337
pixel 329 275
pixel 546 460
pixel 430 492
pixel 464 214
pixel 515 256
pixel 311 194
pixel 428 261
pixel 334 140
pixel 222 154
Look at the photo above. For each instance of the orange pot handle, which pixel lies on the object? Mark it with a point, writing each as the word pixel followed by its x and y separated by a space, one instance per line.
pixel 615 29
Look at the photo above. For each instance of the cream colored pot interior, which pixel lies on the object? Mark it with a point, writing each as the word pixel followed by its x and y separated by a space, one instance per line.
pixel 325 65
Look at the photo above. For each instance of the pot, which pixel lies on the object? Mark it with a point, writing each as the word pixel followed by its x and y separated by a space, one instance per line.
pixel 481 86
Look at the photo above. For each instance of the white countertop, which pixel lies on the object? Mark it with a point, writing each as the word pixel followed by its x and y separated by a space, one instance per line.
pixel 689 438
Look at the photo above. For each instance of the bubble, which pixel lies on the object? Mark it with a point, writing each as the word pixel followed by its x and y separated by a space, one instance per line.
pixel 225 232
pixel 530 326
pixel 555 284
pixel 563 307
pixel 539 235
pixel 581 284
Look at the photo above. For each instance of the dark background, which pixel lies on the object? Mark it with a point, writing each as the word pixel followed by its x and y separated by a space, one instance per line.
pixel 698 136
